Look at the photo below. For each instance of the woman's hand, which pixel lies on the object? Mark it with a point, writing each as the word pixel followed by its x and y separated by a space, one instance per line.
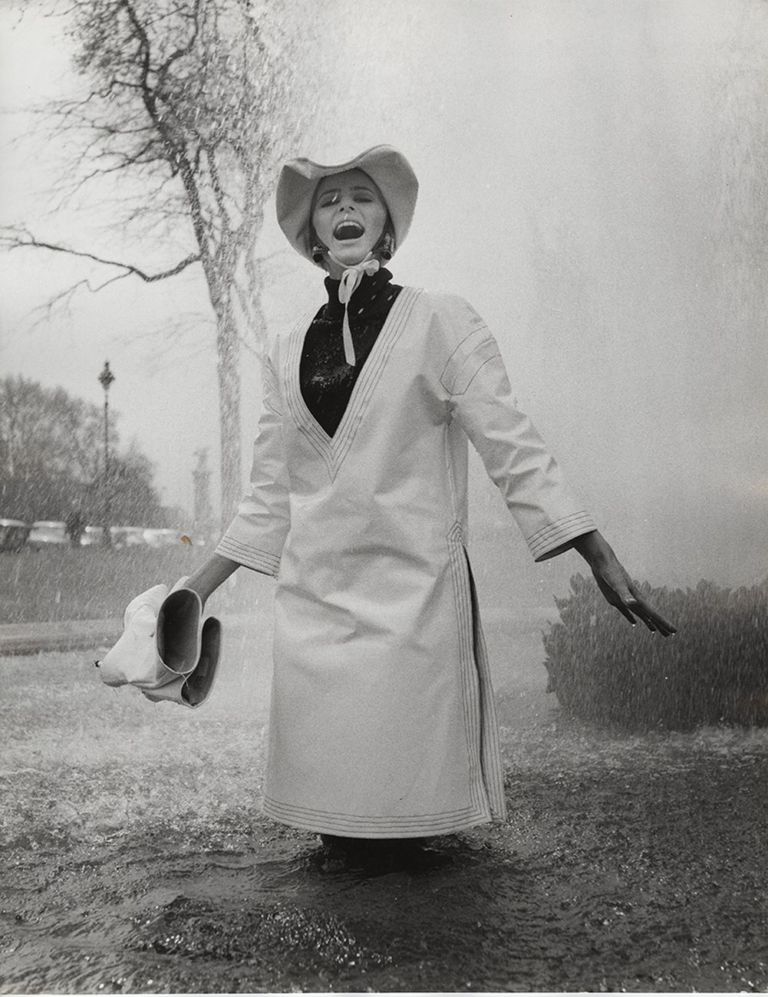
pixel 616 585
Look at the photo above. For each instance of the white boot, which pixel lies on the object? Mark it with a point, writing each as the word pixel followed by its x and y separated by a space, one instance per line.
pixel 166 649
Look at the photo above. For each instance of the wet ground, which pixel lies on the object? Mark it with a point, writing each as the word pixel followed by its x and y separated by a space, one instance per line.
pixel 135 858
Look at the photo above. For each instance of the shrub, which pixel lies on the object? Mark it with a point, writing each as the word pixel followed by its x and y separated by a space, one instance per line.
pixel 714 670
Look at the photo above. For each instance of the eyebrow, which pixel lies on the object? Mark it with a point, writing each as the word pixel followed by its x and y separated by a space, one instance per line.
pixel 335 190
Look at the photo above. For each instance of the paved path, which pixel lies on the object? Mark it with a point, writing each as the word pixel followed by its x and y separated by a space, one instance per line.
pixel 64 635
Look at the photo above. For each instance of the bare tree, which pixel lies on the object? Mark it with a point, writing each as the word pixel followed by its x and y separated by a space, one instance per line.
pixel 192 102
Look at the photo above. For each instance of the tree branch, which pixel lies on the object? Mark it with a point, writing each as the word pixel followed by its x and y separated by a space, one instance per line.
pixel 21 239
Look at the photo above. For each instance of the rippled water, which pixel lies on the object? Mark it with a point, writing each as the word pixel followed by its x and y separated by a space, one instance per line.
pixel 135 857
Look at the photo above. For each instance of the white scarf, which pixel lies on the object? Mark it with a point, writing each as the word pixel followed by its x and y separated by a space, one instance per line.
pixel 349 283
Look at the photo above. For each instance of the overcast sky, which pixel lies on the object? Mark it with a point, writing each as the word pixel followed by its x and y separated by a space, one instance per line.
pixel 592 180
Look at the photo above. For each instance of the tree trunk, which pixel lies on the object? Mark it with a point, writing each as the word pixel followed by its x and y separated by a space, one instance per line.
pixel 228 368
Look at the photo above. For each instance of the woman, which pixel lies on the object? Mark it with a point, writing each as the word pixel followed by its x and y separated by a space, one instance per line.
pixel 382 720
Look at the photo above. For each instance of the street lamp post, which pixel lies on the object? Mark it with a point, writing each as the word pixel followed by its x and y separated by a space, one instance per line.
pixel 106 377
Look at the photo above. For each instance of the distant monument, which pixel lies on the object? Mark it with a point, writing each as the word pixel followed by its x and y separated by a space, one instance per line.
pixel 202 511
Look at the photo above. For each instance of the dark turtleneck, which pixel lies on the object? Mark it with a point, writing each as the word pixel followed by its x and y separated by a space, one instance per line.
pixel 326 378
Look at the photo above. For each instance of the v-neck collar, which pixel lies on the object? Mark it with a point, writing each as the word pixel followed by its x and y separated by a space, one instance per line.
pixel 333 449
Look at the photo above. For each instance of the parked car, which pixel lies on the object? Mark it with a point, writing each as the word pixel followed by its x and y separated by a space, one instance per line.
pixel 155 537
pixel 13 534
pixel 47 533
pixel 127 536
pixel 93 536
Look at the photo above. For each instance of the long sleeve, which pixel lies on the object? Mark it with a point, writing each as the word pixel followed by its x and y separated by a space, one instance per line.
pixel 513 453
pixel 256 535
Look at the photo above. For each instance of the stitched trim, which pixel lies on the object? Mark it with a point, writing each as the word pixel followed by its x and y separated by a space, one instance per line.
pixel 458 371
pixel 372 371
pixel 485 768
pixel 334 449
pixel 491 356
pixel 248 556
pixel 373 826
pixel 559 532
pixel 468 677
pixel 296 404
pixel 493 771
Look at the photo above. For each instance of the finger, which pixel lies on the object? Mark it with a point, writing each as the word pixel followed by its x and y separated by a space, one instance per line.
pixel 611 594
pixel 628 601
pixel 649 623
pixel 665 628
pixel 653 620
pixel 625 613
pixel 651 617
pixel 642 612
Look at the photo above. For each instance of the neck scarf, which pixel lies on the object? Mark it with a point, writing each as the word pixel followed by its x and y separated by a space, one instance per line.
pixel 349 283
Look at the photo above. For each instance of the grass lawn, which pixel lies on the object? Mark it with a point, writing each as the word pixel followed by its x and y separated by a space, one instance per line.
pixel 92 584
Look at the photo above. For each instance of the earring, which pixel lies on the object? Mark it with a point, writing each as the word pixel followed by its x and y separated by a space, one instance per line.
pixel 387 246
pixel 318 252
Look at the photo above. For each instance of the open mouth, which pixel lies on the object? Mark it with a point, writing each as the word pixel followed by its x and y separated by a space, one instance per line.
pixel 348 230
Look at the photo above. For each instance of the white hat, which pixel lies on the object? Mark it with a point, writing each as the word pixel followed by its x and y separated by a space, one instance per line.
pixel 389 170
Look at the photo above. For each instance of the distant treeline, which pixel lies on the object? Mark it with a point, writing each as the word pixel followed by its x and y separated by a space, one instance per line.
pixel 52 460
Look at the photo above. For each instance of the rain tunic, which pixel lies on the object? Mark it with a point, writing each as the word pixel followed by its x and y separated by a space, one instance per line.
pixel 382 719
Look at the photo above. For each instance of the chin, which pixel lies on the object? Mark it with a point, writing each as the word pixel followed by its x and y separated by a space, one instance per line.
pixel 351 254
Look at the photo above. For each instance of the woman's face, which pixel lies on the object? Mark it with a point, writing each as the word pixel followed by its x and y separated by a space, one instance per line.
pixel 348 216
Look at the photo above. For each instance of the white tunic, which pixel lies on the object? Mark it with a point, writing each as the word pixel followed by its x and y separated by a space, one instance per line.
pixel 382 719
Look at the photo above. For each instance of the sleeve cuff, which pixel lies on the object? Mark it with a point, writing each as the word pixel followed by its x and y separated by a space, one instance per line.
pixel 249 557
pixel 549 538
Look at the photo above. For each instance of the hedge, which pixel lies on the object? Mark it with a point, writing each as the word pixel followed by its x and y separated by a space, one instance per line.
pixel 713 671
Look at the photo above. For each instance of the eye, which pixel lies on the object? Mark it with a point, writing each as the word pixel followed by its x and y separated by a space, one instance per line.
pixel 326 200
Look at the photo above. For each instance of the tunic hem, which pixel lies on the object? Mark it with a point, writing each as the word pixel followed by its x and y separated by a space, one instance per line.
pixel 358 826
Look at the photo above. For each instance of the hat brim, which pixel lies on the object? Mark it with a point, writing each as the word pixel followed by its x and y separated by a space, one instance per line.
pixel 389 170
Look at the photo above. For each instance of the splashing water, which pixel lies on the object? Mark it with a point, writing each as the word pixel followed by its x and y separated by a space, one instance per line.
pixel 136 859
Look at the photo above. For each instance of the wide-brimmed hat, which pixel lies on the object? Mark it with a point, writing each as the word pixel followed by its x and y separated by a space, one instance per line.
pixel 389 170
